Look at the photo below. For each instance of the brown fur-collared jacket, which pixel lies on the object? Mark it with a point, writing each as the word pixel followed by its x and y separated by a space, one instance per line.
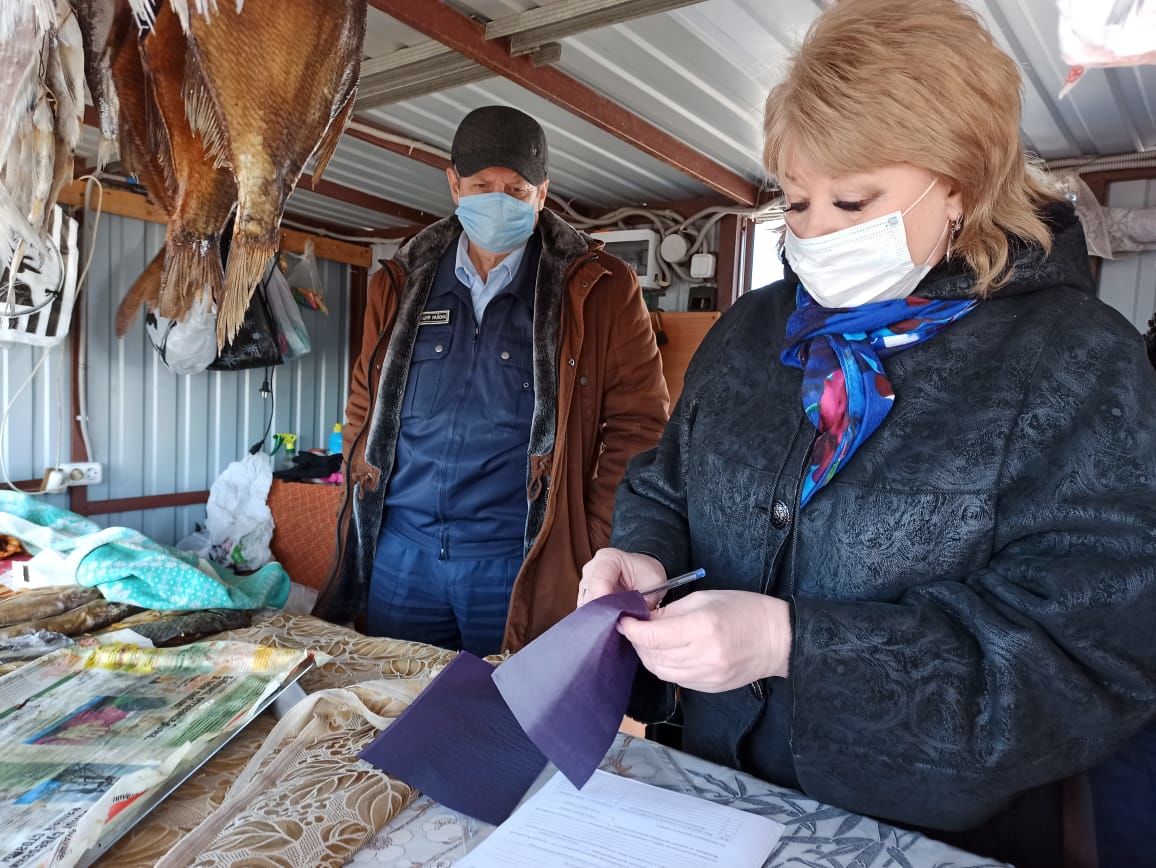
pixel 599 399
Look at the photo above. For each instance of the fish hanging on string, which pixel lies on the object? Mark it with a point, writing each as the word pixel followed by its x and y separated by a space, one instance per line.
pixel 203 190
pixel 96 18
pixel 41 111
pixel 281 76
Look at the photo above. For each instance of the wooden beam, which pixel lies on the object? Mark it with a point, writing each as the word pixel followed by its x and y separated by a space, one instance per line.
pixel 138 504
pixel 125 203
pixel 466 36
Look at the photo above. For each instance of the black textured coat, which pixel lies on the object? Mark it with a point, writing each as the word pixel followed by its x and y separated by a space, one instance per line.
pixel 973 595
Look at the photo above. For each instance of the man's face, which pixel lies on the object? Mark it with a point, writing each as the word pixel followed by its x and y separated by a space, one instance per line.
pixel 497 180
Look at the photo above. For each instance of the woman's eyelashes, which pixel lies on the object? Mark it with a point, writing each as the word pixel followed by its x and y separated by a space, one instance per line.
pixel 842 205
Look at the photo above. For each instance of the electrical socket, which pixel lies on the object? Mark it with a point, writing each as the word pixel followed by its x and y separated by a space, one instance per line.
pixel 82 473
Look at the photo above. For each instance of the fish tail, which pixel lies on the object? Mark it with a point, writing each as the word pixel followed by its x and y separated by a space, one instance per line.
pixel 249 257
pixel 145 290
pixel 192 270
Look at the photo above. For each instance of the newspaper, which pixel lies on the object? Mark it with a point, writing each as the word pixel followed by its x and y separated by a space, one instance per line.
pixel 86 733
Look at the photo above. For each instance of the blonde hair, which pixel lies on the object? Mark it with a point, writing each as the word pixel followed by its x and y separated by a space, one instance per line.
pixel 883 82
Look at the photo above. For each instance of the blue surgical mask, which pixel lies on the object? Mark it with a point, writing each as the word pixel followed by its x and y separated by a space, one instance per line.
pixel 497 222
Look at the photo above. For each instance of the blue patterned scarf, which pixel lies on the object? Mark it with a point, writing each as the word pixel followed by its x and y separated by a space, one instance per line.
pixel 846 393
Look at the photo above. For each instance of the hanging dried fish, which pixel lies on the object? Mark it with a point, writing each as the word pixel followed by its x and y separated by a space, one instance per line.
pixel 272 115
pixel 41 106
pixel 146 290
pixel 44 603
pixel 96 18
pixel 140 145
pixel 91 616
pixel 205 192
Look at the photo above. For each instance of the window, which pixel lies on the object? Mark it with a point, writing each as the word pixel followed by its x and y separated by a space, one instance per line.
pixel 766 266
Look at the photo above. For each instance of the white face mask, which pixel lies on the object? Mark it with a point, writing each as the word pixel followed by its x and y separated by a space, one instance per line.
pixel 860 264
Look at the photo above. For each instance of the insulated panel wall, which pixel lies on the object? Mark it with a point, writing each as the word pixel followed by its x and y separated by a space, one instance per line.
pixel 158 433
pixel 1129 283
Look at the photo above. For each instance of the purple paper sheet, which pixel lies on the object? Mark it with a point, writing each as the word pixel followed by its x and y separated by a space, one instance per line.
pixel 569 687
pixel 460 745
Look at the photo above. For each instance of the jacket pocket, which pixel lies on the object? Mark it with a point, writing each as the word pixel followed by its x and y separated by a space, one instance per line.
pixel 426 371
pixel 515 382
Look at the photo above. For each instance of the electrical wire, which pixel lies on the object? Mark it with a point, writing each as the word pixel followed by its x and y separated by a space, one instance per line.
pixel 8 412
pixel 81 313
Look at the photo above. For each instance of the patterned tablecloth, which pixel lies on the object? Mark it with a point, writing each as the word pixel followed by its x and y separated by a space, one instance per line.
pixel 324 807
pixel 426 834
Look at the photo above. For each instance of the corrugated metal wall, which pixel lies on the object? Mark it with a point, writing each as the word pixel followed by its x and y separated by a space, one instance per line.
pixel 1129 284
pixel 159 433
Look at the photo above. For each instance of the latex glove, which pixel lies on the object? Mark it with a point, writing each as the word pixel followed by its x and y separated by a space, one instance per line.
pixel 713 641
pixel 613 570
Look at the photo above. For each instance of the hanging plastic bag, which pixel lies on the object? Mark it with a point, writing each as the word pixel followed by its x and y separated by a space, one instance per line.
pixel 257 344
pixel 1106 33
pixel 305 281
pixel 294 337
pixel 239 523
pixel 187 347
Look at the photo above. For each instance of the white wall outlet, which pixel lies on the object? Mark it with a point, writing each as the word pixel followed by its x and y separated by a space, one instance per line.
pixel 83 473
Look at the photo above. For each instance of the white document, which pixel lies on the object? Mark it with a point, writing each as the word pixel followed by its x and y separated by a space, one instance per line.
pixel 614 821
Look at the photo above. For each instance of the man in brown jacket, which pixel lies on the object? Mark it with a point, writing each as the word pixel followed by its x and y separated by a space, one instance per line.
pixel 508 372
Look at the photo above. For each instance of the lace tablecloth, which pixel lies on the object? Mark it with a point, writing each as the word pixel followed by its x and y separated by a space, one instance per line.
pixel 334 809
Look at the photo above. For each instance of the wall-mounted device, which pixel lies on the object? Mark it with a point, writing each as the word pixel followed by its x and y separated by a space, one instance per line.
pixel 638 248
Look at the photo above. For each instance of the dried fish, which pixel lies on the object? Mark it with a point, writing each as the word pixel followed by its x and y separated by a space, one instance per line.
pixel 273 115
pixel 205 192
pixel 146 290
pixel 177 628
pixel 90 616
pixel 41 107
pixel 96 17
pixel 44 603
pixel 140 146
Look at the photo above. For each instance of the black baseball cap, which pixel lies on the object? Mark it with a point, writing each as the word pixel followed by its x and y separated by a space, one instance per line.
pixel 498 135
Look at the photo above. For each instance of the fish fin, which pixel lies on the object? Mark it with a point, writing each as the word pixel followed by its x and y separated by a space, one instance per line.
pixel 145 290
pixel 249 257
pixel 202 114
pixel 144 12
pixel 328 143
pixel 192 269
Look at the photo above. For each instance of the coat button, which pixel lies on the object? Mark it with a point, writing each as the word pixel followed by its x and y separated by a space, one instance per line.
pixel 583 381
pixel 438 348
pixel 505 356
pixel 571 363
pixel 780 514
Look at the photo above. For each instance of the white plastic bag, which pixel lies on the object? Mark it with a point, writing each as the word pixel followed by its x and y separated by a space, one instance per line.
pixel 239 523
pixel 293 336
pixel 1106 33
pixel 305 281
pixel 187 347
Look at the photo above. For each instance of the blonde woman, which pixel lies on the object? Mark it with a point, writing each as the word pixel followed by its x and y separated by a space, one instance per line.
pixel 920 471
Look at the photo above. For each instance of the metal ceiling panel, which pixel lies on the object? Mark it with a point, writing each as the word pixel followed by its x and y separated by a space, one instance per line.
pixel 586 164
pixel 702 74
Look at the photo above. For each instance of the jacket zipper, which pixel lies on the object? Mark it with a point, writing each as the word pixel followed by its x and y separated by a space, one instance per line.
pixel 347 501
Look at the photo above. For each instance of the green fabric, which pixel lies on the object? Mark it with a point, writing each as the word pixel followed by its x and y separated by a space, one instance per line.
pixel 128 567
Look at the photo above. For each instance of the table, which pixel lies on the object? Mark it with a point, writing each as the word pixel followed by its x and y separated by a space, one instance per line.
pixel 328 806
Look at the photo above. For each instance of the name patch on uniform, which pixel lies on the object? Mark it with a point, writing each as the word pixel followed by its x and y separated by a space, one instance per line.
pixel 434 317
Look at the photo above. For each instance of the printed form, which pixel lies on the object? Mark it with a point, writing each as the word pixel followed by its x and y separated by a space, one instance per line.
pixel 617 821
